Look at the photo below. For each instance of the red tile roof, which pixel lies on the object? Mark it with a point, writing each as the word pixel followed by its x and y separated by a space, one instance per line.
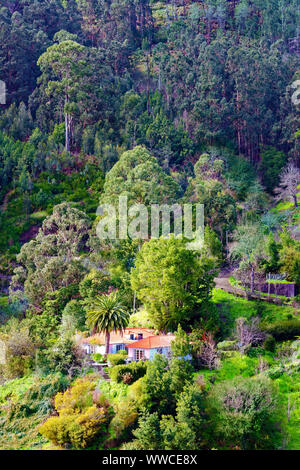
pixel 153 342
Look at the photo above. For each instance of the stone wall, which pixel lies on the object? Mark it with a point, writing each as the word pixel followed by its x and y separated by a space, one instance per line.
pixel 286 290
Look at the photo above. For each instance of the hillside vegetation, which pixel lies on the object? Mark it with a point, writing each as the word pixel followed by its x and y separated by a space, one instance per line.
pixel 164 103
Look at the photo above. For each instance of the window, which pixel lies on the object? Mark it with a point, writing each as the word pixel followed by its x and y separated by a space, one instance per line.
pixel 138 354
pixel 140 336
pixel 159 350
pixel 120 347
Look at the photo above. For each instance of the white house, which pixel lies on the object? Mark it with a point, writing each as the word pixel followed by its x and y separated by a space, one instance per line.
pixel 118 340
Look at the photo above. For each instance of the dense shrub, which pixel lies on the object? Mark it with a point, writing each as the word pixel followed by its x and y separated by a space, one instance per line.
pixel 245 413
pixel 116 359
pixel 284 330
pixel 79 430
pixel 83 416
pixel 26 403
pixel 270 343
pixel 97 357
pixel 124 419
pixel 136 369
pixel 17 349
pixel 64 356
pixel 227 345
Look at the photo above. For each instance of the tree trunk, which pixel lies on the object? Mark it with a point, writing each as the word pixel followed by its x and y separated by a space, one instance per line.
pixel 67 124
pixel 67 133
pixel 295 201
pixel 107 339
pixel 252 279
pixel 134 302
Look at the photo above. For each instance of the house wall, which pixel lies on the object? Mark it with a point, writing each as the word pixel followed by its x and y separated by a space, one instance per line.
pixel 148 353
pixel 114 348
pixel 96 348
pixel 131 353
pixel 164 351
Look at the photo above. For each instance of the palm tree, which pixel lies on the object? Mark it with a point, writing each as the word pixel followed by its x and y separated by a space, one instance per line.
pixel 108 315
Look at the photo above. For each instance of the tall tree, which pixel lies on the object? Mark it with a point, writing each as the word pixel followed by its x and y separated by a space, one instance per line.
pixel 173 282
pixel 67 61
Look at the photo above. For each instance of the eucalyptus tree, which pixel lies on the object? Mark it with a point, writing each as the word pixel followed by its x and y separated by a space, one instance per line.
pixel 67 62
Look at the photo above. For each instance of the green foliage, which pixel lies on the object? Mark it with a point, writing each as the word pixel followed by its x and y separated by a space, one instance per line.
pixel 97 357
pixel 108 315
pixel 284 330
pixel 44 328
pixel 163 382
pixel 188 101
pixel 138 176
pixel 25 404
pixel 290 257
pixel 271 165
pixel 128 373
pixel 174 283
pixel 113 391
pixel 116 359
pixel 63 356
pixel 180 347
pixel 54 303
pixel 83 417
pixel 95 283
pixel 237 366
pixel 250 251
pixel 73 318
pixel 270 343
pixel 49 261
pixel 245 414
pixel 148 432
pixel 209 188
pixel 186 432
pixel 17 349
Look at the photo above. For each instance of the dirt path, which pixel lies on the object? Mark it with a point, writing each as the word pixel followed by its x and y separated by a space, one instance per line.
pixel 223 283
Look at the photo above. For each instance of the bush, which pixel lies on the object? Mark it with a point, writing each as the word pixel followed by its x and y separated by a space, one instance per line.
pixel 284 330
pixel 97 357
pixel 17 350
pixel 77 430
pixel 245 414
pixel 270 344
pixel 124 419
pixel 27 403
pixel 123 353
pixel 83 416
pixel 135 369
pixel 256 351
pixel 116 359
pixel 227 345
